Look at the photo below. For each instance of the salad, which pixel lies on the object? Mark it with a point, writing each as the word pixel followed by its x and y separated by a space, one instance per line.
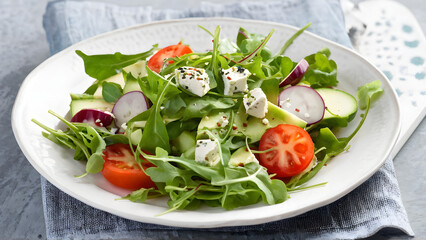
pixel 228 127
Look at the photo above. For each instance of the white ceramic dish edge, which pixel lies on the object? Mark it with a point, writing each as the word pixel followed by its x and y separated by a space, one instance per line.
pixel 16 114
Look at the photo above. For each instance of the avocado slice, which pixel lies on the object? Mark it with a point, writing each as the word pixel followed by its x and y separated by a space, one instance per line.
pixel 241 157
pixel 215 120
pixel 137 70
pixel 131 85
pixel 254 127
pixel 250 126
pixel 118 78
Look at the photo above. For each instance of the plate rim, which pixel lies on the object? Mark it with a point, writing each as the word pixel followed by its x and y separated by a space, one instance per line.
pixel 223 223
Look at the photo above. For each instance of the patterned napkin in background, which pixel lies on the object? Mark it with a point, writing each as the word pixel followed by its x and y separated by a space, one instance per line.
pixel 387 33
pixel 375 205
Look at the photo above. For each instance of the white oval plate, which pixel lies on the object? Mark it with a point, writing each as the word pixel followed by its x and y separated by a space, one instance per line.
pixel 49 85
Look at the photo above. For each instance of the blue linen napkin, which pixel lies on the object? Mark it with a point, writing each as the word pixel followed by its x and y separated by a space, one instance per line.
pixel 374 206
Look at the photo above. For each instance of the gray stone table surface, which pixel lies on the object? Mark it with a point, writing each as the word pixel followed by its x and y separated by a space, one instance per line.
pixel 23 46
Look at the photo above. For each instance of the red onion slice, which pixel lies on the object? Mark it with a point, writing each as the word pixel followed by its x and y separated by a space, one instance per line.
pixel 304 102
pixel 296 74
pixel 93 117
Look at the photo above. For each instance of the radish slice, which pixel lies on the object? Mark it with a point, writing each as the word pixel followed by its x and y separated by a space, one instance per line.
pixel 304 102
pixel 93 117
pixel 296 75
pixel 128 106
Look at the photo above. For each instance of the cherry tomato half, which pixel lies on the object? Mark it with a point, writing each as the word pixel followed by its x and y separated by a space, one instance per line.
pixel 156 61
pixel 121 169
pixel 293 150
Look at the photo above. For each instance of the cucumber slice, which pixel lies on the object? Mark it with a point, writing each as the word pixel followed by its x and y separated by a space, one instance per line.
pixel 185 141
pixel 341 107
pixel 81 96
pixel 98 104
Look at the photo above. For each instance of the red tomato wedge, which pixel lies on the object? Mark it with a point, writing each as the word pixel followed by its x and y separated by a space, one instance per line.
pixel 293 150
pixel 156 61
pixel 121 169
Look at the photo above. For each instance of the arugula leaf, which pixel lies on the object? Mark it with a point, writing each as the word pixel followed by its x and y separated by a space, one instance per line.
pixel 116 138
pixel 189 183
pixel 154 84
pixel 369 91
pixel 199 107
pixel 103 66
pixel 257 175
pixel 332 144
pixel 67 139
pixel 92 89
pixel 227 46
pixel 174 129
pixel 322 72
pixel 141 195
pixel 204 172
pixel 213 68
pixel 223 62
pixel 187 107
pixel 286 66
pixel 111 92
pixel 271 89
pixel 96 144
pixel 174 106
pixel 255 67
pixel 249 43
pixel 309 175
pixel 155 131
pixel 266 54
pixel 191 59
pixel 292 38
pixel 87 142
pixel 241 36
pixel 143 116
pixel 94 164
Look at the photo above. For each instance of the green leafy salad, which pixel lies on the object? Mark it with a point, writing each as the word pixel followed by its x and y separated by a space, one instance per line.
pixel 228 127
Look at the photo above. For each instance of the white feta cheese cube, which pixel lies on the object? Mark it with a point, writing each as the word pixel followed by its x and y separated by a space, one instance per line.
pixel 235 80
pixel 207 152
pixel 256 103
pixel 223 120
pixel 193 79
